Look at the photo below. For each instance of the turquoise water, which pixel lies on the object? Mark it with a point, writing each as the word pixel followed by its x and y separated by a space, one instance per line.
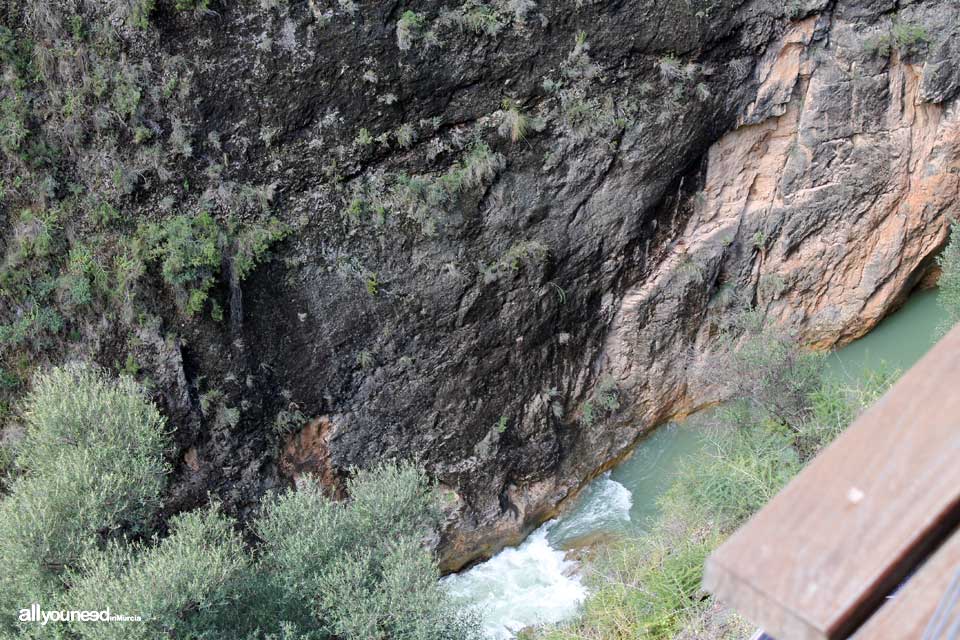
pixel 896 343
pixel 538 583
pixel 654 465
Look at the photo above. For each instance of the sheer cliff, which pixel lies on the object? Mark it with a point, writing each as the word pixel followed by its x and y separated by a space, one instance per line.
pixel 491 237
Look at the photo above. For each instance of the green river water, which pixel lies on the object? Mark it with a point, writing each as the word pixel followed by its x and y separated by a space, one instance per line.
pixel 895 344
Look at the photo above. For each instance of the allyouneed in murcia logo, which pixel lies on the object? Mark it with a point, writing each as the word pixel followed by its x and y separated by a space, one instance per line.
pixel 36 614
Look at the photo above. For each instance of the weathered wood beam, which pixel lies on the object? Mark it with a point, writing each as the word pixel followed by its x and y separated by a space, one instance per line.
pixel 820 558
pixel 908 613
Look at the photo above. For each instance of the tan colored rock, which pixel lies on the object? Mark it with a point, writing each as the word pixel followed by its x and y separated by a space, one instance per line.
pixel 308 452
pixel 825 207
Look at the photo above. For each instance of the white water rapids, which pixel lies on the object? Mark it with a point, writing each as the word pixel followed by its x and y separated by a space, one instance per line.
pixel 535 583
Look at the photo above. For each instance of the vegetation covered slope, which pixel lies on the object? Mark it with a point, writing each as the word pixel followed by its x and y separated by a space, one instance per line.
pixel 80 531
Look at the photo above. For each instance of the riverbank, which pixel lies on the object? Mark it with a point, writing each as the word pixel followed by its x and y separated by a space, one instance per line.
pixel 539 583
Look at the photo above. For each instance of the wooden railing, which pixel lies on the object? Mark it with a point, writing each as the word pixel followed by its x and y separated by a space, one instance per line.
pixel 864 542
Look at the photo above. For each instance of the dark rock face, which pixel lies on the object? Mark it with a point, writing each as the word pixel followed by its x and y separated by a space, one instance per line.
pixel 516 325
pixel 446 350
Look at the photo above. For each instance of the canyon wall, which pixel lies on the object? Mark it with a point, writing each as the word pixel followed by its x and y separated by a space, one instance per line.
pixel 513 226
pixel 824 206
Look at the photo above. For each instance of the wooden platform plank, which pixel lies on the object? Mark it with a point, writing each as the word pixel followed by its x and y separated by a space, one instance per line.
pixel 909 611
pixel 820 557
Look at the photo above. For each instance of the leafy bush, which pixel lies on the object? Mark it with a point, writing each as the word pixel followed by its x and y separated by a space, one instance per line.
pixel 252 242
pixel 77 409
pixel 949 261
pixel 186 586
pixel 362 563
pixel 424 199
pixel 909 37
pixel 475 16
pixel 92 468
pixel 766 367
pixel 641 587
pixel 192 5
pixel 904 37
pixel 189 251
pixel 746 467
pixel 409 27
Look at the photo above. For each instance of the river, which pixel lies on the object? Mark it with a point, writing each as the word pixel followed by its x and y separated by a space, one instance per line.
pixel 537 583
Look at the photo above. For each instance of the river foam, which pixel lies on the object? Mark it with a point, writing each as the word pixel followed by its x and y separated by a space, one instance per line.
pixel 535 583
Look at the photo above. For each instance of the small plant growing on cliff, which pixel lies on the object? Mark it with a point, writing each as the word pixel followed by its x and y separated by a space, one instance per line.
pixel 364 138
pixel 372 284
pixel 252 242
pixel 771 286
pixel 604 400
pixel 514 122
pixel 192 5
pixel 525 254
pixel 365 359
pixel 409 28
pixel 406 135
pixel 559 291
pixel 474 16
pixel 691 268
pixel 288 421
pixel 759 240
pixel 671 68
pixel 910 38
pixel 904 37
pixel 702 91
pixel 481 165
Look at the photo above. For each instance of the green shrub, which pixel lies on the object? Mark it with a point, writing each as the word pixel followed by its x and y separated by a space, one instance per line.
pixel 192 5
pixel 910 38
pixel 252 242
pixel 475 16
pixel 424 199
pixel 409 28
pixel 641 588
pixel 185 586
pixel 191 249
pixel 91 468
pixel 362 563
pixel 949 294
pixel 188 249
pixel 604 400
pixel 78 409
pixel 84 275
pixel 835 405
pixel 904 37
pixel 766 367
pixel 36 321
pixel 745 467
pixel 389 595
